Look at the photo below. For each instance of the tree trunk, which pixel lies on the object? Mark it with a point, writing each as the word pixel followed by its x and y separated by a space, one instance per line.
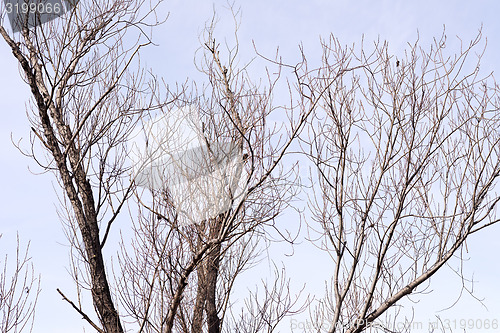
pixel 75 182
pixel 212 271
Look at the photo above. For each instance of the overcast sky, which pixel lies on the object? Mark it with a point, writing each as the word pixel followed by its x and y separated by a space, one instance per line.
pixel 28 201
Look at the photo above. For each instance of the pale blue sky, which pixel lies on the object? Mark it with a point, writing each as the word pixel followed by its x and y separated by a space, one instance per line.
pixel 27 202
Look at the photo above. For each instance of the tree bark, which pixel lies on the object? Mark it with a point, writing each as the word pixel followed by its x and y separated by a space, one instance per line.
pixel 212 271
pixel 199 307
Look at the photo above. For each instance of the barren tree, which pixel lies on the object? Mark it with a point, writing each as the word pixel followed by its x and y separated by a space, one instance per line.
pixel 407 157
pixel 406 152
pixel 89 96
pixel 84 102
pixel 19 289
pixel 191 265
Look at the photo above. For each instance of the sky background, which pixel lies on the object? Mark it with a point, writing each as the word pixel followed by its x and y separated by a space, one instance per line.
pixel 28 201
